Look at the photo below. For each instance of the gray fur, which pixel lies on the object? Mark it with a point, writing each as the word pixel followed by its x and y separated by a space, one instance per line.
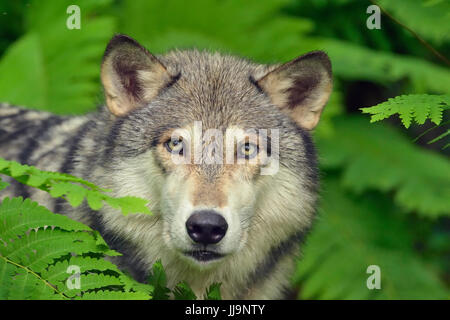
pixel 118 153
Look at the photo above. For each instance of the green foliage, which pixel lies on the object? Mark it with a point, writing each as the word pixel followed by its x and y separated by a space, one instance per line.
pixel 353 62
pixel 433 17
pixel 418 107
pixel 372 174
pixel 37 247
pixel 213 292
pixel 380 158
pixel 158 280
pixel 358 237
pixel 51 67
pixel 71 188
pixel 182 291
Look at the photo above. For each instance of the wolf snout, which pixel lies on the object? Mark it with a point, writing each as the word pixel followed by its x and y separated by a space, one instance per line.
pixel 206 227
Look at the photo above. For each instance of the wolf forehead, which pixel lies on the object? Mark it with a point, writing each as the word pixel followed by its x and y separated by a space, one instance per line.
pixel 218 90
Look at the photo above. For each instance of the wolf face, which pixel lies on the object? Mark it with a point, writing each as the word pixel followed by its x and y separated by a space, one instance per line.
pixel 220 147
pixel 207 198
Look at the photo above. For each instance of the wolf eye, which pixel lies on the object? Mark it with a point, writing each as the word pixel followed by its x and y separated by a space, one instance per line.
pixel 174 146
pixel 248 150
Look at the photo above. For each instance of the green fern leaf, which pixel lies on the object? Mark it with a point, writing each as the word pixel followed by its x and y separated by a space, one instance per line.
pixel 37 247
pixel 7 271
pixel 19 216
pixel 57 273
pixel 213 292
pixel 73 189
pixel 414 106
pixel 131 285
pixel 182 291
pixel 89 282
pixel 128 204
pixel 25 286
pixel 157 278
pixel 436 112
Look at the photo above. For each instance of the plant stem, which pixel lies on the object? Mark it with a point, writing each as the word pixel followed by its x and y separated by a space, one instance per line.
pixel 421 40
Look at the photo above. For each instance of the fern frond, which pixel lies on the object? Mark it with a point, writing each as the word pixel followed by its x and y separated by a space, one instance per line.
pixel 418 107
pixel 71 188
pixel 37 247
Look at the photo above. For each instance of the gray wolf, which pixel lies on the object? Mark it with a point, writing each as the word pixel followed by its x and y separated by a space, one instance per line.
pixel 212 222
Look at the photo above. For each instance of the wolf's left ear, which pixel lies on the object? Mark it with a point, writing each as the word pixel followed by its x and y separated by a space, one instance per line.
pixel 301 87
pixel 130 74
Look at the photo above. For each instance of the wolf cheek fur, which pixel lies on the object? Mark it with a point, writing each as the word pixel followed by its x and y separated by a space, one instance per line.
pixel 212 222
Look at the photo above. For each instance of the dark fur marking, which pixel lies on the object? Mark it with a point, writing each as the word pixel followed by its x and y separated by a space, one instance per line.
pixel 74 143
pixel 301 89
pixel 129 261
pixel 69 163
pixel 44 127
pixel 32 145
pixel 111 138
pixel 23 190
pixel 15 115
pixel 160 164
pixel 20 133
pixel 267 266
pixel 173 80
pixel 256 84
pixel 311 157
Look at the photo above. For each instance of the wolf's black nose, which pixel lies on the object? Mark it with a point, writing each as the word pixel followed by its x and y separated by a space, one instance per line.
pixel 206 227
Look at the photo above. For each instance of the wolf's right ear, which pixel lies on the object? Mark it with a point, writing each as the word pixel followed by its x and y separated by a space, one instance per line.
pixel 130 74
pixel 300 88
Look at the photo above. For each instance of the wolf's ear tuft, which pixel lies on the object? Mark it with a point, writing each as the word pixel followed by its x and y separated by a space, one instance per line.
pixel 130 75
pixel 301 87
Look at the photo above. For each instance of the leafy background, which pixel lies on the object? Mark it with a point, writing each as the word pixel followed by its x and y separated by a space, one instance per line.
pixel 385 193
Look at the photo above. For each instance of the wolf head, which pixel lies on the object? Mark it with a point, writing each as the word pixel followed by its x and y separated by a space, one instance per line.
pixel 219 145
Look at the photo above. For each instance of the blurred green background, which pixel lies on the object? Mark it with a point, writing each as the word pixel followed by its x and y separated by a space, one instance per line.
pixel 384 199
